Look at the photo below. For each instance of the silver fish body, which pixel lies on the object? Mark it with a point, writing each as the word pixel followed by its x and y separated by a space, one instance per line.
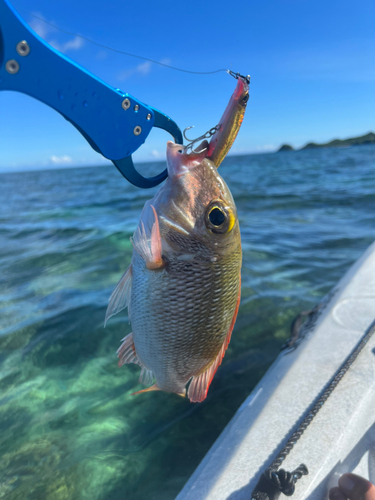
pixel 184 313
pixel 183 297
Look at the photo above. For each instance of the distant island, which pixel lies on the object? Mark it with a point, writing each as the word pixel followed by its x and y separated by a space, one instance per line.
pixel 336 143
pixel 286 147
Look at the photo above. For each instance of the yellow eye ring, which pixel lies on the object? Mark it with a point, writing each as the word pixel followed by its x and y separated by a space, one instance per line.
pixel 232 220
pixel 219 219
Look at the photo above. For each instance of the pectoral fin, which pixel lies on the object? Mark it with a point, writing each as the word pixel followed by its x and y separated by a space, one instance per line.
pixel 199 385
pixel 149 249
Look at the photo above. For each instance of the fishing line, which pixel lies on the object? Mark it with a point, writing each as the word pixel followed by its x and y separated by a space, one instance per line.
pixel 125 53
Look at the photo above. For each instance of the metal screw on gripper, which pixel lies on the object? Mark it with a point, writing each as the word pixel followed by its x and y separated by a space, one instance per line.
pixel 12 66
pixel 148 117
pixel 23 48
pixel 125 104
pixel 137 130
pixel 136 107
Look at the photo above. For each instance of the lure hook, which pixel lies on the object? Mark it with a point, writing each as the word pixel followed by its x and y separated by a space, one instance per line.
pixel 184 134
pixel 207 135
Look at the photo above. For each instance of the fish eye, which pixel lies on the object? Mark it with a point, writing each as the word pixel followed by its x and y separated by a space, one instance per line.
pixel 245 99
pixel 219 218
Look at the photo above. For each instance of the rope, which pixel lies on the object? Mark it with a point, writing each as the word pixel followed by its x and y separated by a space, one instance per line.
pixel 274 481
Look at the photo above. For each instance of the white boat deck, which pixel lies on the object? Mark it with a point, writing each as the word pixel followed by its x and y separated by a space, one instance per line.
pixel 340 439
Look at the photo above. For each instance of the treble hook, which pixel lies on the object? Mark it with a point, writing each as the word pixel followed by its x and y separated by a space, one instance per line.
pixel 184 134
pixel 207 135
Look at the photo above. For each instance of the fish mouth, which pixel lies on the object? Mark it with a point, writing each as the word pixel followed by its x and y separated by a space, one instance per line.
pixel 174 148
pixel 179 162
pixel 177 149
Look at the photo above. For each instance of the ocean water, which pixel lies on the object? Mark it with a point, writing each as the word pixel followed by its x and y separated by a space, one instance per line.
pixel 69 427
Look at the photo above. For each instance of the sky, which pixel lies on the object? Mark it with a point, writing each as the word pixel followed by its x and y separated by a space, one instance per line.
pixel 312 67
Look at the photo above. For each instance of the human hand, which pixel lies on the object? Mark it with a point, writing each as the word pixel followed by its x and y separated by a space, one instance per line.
pixel 352 487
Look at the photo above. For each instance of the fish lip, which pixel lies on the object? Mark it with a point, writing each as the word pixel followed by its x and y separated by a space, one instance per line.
pixel 175 147
pixel 179 162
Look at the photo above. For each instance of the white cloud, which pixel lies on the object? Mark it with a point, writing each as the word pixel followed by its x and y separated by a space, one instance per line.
pixel 155 153
pixel 142 69
pixel 102 54
pixel 166 61
pixel 266 147
pixel 38 26
pixel 73 44
pixel 44 31
pixel 61 160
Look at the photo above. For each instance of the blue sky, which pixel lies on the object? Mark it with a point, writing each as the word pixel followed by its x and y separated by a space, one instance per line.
pixel 312 67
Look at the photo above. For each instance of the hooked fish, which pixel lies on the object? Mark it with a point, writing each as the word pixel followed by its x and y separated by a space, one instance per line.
pixel 182 288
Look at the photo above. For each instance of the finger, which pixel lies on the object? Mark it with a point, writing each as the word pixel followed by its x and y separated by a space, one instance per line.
pixel 336 494
pixel 356 487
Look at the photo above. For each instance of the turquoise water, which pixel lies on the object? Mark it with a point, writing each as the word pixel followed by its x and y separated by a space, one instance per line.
pixel 69 428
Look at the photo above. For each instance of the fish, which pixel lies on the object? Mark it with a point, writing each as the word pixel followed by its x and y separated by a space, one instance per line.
pixel 183 285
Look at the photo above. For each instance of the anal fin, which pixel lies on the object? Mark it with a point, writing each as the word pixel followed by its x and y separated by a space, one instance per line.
pixel 126 352
pixel 199 385
pixel 146 377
